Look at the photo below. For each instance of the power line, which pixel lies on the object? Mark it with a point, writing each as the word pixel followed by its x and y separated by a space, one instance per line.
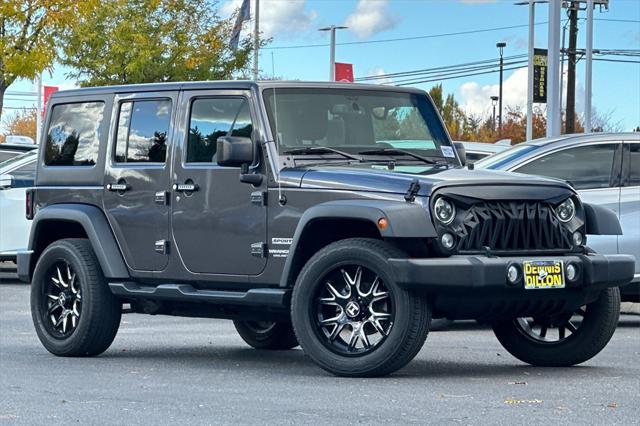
pixel 348 43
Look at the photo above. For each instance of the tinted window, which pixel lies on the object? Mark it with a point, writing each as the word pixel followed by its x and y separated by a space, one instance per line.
pixel 585 167
pixel 74 134
pixel 212 118
pixel 23 176
pixel 634 164
pixel 143 127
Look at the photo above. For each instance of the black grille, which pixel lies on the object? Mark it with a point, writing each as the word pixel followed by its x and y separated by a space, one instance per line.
pixel 512 226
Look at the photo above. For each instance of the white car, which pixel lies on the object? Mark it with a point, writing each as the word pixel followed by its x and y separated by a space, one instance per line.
pixel 16 176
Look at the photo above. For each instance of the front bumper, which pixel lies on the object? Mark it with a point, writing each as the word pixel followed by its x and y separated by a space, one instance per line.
pixel 476 272
pixel 476 287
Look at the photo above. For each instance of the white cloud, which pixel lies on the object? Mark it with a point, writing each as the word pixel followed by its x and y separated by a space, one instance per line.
pixel 277 16
pixel 377 71
pixel 476 99
pixel 371 17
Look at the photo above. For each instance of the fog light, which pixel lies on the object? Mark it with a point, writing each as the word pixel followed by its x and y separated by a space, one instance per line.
pixel 513 274
pixel 447 241
pixel 577 239
pixel 572 272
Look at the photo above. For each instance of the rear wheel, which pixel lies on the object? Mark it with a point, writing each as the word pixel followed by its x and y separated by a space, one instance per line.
pixel 73 311
pixel 267 334
pixel 350 317
pixel 562 340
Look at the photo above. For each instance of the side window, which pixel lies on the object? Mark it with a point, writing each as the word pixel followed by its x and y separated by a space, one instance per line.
pixel 212 118
pixel 586 167
pixel 634 165
pixel 24 176
pixel 74 134
pixel 143 128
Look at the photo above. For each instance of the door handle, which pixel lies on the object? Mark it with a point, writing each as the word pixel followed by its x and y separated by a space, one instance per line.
pixel 118 187
pixel 185 187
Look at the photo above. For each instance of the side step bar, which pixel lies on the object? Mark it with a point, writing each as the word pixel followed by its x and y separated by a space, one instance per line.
pixel 264 297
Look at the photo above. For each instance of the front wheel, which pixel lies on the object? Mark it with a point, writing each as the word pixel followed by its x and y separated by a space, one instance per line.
pixel 562 340
pixel 350 316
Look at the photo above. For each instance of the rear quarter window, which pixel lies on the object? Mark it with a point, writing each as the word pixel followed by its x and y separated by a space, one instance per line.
pixel 73 137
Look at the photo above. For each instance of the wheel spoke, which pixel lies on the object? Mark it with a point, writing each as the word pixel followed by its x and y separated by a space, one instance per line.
pixel 571 327
pixel 53 308
pixel 355 336
pixel 52 297
pixel 61 280
pixel 561 331
pixel 379 328
pixel 334 293
pixel 543 331
pixel 73 321
pixel 64 322
pixel 581 312
pixel 336 331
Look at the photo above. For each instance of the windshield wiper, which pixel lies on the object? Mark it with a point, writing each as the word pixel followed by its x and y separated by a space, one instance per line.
pixel 321 150
pixel 397 151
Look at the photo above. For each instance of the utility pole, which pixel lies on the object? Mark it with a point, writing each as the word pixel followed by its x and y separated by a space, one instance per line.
pixel 332 49
pixel 570 126
pixel 256 41
pixel 500 46
pixel 39 108
pixel 553 70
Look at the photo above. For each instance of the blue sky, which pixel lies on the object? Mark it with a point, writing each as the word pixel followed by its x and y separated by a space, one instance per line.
pixel 616 86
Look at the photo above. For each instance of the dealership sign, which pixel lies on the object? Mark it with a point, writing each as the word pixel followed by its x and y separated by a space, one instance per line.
pixel 540 75
pixel 344 72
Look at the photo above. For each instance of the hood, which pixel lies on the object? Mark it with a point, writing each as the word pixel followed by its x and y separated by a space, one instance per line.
pixel 357 178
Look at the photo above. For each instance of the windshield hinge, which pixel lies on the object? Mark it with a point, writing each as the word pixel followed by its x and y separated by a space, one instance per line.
pixel 410 196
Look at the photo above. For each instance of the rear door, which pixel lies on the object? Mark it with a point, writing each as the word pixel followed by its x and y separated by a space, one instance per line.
pixel 137 177
pixel 629 241
pixel 216 224
pixel 594 171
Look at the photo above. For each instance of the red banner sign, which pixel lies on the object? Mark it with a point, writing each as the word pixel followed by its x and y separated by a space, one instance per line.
pixel 344 72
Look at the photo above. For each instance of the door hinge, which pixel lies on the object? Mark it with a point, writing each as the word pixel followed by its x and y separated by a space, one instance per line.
pixel 259 198
pixel 259 249
pixel 162 246
pixel 161 197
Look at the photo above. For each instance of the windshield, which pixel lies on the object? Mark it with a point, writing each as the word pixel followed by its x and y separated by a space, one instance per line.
pixel 305 120
pixel 16 158
pixel 496 161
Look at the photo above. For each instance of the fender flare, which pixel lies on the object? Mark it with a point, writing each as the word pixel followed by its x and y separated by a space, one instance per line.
pixel 405 220
pixel 96 227
pixel 601 220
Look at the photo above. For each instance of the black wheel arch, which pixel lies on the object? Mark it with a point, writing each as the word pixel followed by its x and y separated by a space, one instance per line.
pixel 60 221
pixel 331 221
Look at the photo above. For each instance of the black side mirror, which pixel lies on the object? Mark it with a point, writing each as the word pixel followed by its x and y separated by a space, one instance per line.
pixel 462 152
pixel 234 151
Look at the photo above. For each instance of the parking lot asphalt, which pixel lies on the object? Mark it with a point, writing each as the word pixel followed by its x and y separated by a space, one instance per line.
pixel 165 370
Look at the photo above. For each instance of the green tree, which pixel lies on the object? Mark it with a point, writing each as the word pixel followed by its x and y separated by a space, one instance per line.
pixel 29 32
pixel 142 41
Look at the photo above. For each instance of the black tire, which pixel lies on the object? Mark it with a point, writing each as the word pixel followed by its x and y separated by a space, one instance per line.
pixel 598 323
pixel 267 334
pixel 404 336
pixel 99 311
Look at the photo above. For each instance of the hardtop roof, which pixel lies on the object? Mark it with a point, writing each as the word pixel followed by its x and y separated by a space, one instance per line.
pixel 226 84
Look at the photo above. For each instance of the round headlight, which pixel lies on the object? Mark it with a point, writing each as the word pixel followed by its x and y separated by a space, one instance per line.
pixel 445 211
pixel 566 211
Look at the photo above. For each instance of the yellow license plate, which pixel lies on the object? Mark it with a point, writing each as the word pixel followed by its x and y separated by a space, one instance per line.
pixel 540 274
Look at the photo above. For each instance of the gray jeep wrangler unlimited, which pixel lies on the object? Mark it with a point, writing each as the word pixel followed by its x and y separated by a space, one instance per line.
pixel 333 216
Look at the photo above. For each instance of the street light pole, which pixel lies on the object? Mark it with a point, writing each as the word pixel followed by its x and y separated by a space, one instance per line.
pixel 256 41
pixel 553 70
pixel 588 70
pixel 332 49
pixel 532 41
pixel 500 46
pixel 494 101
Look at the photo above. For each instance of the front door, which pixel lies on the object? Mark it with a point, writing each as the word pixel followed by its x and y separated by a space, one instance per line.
pixel 629 241
pixel 214 221
pixel 137 177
